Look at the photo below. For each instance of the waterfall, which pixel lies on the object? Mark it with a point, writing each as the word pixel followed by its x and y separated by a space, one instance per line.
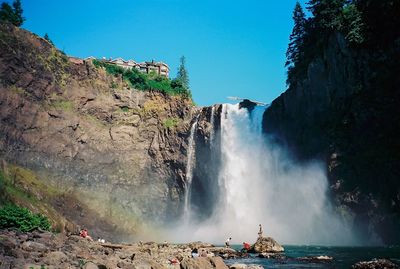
pixel 212 132
pixel 259 183
pixel 189 171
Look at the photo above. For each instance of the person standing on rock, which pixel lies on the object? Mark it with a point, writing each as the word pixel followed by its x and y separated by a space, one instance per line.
pixel 227 242
pixel 260 232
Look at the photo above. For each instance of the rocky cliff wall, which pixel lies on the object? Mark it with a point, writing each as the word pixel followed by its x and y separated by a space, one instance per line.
pixel 121 152
pixel 346 112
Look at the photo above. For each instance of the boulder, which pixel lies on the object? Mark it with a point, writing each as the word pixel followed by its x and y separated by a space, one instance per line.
pixel 55 258
pixel 375 264
pixel 33 246
pixel 218 263
pixel 266 244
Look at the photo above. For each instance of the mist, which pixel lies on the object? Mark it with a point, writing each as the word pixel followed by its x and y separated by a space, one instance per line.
pixel 258 183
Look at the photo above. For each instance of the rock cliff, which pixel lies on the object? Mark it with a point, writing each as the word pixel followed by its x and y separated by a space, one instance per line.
pixel 116 155
pixel 346 112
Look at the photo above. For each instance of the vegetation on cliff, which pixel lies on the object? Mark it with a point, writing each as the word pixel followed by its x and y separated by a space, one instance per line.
pixel 360 22
pixel 22 219
pixel 148 82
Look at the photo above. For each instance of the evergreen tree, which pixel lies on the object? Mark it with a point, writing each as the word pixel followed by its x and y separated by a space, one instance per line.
pixel 296 39
pixel 327 13
pixel 353 25
pixel 12 14
pixel 6 13
pixel 19 20
pixel 182 75
pixel 46 36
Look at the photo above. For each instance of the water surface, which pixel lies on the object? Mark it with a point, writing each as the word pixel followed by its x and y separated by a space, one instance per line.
pixel 343 257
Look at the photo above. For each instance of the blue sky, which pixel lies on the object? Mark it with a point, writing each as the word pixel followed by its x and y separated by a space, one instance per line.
pixel 233 48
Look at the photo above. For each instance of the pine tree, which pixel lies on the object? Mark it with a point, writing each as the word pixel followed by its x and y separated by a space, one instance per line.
pixel 296 39
pixel 12 14
pixel 46 36
pixel 182 75
pixel 327 13
pixel 19 20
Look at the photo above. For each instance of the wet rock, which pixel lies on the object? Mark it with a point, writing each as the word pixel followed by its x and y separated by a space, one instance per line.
pixel 316 259
pixel 245 266
pixel 266 244
pixel 375 264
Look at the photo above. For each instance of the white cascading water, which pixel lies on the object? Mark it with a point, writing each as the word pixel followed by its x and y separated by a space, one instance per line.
pixel 212 132
pixel 189 173
pixel 260 184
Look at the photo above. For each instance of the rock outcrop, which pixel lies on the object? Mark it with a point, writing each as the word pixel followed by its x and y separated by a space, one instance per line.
pixel 266 245
pixel 375 264
pixel 82 131
pixel 345 112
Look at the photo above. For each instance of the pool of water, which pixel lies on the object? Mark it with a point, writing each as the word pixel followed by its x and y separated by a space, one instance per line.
pixel 343 257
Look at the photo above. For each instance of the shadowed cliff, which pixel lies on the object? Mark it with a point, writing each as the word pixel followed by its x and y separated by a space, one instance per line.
pixel 345 111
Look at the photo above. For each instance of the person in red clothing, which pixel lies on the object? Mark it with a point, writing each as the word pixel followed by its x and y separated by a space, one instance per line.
pixel 84 234
pixel 246 247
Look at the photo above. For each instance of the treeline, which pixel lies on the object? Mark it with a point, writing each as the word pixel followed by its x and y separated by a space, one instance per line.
pixel 151 81
pixel 371 24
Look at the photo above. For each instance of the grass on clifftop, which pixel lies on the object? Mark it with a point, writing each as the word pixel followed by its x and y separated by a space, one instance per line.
pixel 146 82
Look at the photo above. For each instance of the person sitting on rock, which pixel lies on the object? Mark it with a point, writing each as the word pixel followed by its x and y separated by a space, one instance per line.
pixel 195 253
pixel 84 234
pixel 227 242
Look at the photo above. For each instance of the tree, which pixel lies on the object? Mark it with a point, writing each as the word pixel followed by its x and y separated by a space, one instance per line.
pixel 12 14
pixel 296 38
pixel 182 75
pixel 46 36
pixel 19 20
pixel 327 13
pixel 353 25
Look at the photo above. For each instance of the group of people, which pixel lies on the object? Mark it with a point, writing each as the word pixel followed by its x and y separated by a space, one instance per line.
pixel 200 253
pixel 246 245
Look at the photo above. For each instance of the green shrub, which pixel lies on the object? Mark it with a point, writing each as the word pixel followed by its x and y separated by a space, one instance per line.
pixel 171 123
pixel 145 82
pixel 12 216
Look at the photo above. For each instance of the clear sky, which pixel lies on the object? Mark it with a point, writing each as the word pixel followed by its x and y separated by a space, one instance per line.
pixel 232 47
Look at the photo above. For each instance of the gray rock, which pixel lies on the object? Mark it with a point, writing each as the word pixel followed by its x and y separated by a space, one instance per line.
pixel 90 265
pixel 55 258
pixel 266 244
pixel 33 246
pixel 375 264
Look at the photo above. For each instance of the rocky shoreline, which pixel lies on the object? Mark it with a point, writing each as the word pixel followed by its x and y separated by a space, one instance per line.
pixel 41 249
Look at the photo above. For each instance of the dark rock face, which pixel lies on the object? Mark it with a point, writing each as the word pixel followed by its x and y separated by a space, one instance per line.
pixel 204 195
pixel 86 132
pixel 249 105
pixel 346 112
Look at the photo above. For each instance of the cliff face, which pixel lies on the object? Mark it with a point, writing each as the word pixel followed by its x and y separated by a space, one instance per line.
pixel 120 152
pixel 346 111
